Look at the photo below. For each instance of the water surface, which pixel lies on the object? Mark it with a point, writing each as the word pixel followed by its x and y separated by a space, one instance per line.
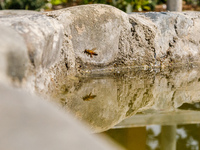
pixel 105 101
pixel 140 109
pixel 158 137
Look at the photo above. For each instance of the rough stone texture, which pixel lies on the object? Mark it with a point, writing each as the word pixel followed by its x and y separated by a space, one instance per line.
pixel 28 122
pixel 42 34
pixel 177 40
pixel 14 61
pixel 138 39
pixel 137 45
pixel 43 37
pixel 88 27
pixel 120 39
pixel 17 12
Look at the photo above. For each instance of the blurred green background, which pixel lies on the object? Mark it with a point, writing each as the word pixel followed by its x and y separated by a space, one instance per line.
pixel 125 5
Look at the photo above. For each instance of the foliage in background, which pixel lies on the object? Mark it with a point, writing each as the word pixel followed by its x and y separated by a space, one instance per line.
pixel 125 5
pixel 135 5
pixel 161 1
pixel 22 4
pixel 193 2
pixel 58 2
pixel 129 5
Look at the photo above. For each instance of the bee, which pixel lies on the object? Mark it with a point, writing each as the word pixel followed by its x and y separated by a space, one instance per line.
pixel 88 97
pixel 90 52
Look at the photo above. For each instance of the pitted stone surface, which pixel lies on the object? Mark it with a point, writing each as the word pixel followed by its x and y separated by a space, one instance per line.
pixel 92 26
pixel 137 39
pixel 121 40
pixel 177 37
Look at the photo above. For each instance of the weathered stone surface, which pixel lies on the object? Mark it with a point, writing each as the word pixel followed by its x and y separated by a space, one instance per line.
pixel 137 45
pixel 177 40
pixel 14 59
pixel 88 27
pixel 42 34
pixel 138 39
pixel 43 38
pixel 28 122
pixel 17 12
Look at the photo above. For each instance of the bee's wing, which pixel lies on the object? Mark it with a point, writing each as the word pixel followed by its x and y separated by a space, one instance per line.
pixel 94 49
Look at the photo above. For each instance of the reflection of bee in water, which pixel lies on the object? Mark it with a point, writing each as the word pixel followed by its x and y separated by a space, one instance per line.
pixel 89 97
pixel 90 52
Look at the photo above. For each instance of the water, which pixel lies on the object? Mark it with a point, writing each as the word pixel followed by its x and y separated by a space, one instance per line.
pixel 181 133
pixel 141 109
pixel 158 137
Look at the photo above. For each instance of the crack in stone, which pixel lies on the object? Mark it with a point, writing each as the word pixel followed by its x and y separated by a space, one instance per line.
pixel 175 25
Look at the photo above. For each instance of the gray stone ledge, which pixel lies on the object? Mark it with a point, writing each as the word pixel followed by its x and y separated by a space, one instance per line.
pixel 56 40
pixel 139 39
pixel 42 35
pixel 17 12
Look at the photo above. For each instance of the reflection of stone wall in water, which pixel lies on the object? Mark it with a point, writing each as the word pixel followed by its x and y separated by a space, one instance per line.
pixel 122 95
